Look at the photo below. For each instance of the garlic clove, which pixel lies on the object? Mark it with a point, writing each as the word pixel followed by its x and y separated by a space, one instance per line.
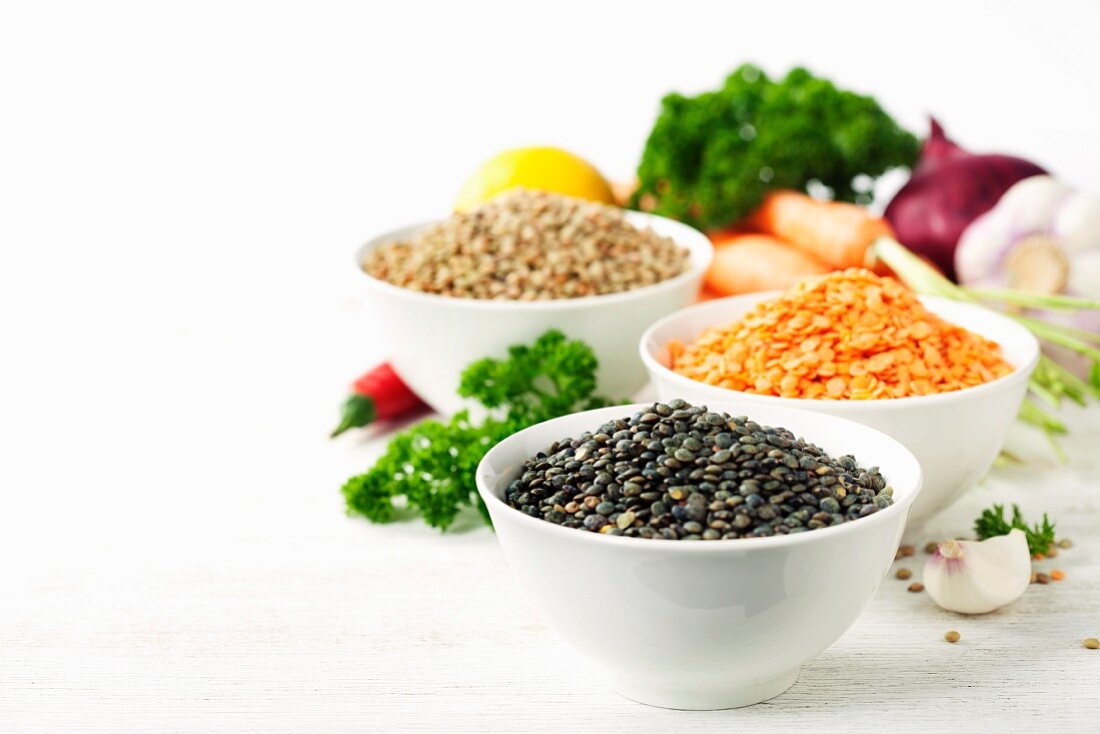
pixel 1036 264
pixel 1033 202
pixel 1084 280
pixel 982 247
pixel 1077 223
pixel 973 577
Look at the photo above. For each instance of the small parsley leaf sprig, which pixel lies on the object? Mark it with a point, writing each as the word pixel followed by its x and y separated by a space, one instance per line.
pixel 992 522
pixel 429 468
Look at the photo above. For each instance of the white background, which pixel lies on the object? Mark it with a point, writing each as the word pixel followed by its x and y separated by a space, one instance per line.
pixel 182 187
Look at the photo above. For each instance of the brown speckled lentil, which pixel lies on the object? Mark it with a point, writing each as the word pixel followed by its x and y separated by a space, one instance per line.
pixel 527 246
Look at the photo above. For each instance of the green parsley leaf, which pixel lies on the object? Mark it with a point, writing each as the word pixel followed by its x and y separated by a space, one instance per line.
pixel 992 522
pixel 430 467
pixel 710 159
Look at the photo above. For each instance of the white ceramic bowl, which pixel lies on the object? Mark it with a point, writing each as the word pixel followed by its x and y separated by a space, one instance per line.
pixel 955 436
pixel 432 338
pixel 702 624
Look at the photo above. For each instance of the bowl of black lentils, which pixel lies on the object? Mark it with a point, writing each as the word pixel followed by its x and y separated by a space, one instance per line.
pixel 699 554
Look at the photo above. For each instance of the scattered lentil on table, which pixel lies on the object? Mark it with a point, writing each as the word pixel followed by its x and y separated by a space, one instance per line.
pixel 848 335
pixel 903 574
pixel 680 472
pixel 952 636
pixel 916 587
pixel 1091 643
pixel 526 246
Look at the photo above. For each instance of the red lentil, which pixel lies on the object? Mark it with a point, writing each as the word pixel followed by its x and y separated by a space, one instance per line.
pixel 849 335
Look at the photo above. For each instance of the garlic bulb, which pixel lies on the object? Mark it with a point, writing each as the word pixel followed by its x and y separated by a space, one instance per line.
pixel 1042 237
pixel 977 577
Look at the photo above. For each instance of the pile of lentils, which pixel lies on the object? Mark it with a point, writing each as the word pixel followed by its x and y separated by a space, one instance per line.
pixel 680 472
pixel 528 246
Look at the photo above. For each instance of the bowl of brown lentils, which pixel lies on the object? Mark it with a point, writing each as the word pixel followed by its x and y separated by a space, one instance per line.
pixel 699 554
pixel 453 291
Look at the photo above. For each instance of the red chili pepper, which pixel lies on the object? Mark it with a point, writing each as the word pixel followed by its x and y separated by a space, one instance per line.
pixel 376 396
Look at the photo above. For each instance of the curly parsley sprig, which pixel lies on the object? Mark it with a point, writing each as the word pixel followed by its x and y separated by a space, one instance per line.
pixel 992 522
pixel 430 467
pixel 711 159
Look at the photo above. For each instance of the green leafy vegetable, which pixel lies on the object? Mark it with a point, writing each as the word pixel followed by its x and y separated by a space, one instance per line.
pixel 551 377
pixel 992 522
pixel 711 159
pixel 430 467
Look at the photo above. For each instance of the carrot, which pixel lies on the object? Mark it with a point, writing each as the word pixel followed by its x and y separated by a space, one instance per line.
pixel 623 190
pixel 836 233
pixel 744 263
pixel 721 237
pixel 706 293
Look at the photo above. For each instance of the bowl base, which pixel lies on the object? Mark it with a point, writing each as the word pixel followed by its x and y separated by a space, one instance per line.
pixel 728 696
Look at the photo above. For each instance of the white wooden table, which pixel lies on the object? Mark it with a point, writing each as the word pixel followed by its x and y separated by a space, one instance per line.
pixel 182 188
pixel 184 563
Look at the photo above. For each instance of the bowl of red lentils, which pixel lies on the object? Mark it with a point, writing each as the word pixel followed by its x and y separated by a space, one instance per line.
pixel 450 292
pixel 944 378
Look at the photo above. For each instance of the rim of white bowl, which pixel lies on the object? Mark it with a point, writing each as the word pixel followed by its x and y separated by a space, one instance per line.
pixel 1027 342
pixel 901 504
pixel 698 245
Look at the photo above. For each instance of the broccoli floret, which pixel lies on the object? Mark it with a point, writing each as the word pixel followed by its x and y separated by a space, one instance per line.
pixel 711 159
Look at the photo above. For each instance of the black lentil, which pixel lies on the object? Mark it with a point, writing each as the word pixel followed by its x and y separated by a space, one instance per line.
pixel 680 472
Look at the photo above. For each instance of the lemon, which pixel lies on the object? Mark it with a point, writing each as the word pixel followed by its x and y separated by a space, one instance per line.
pixel 545 169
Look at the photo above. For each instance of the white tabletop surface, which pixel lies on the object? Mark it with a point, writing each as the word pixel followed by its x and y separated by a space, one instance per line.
pixel 214 581
pixel 182 187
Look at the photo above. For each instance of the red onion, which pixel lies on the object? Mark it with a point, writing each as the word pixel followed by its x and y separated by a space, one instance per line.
pixel 949 188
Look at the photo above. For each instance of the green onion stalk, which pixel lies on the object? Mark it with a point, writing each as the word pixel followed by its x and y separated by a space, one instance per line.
pixel 1050 383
